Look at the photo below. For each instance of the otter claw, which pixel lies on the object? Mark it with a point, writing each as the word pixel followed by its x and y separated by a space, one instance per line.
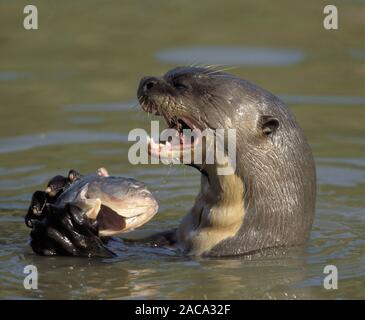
pixel 102 172
pixel 73 175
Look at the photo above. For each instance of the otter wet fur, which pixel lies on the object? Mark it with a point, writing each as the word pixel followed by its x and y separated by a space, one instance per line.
pixel 269 199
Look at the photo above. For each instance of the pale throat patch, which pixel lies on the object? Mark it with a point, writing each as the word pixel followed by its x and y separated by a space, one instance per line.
pixel 214 217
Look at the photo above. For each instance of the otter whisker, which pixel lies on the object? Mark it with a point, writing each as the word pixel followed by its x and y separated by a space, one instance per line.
pixel 221 69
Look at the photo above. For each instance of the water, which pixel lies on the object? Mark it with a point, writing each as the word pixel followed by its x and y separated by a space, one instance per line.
pixel 232 56
pixel 67 100
pixel 357 54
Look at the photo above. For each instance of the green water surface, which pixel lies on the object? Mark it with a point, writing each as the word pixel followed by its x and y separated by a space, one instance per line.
pixel 67 100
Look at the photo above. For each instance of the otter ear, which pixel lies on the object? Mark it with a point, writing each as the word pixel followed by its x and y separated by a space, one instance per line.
pixel 269 124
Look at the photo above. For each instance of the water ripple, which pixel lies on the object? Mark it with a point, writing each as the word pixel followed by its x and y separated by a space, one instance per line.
pixel 232 56
pixel 21 143
pixel 104 107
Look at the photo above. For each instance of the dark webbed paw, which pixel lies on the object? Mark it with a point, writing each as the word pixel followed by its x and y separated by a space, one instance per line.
pixel 36 208
pixel 55 187
pixel 67 231
pixel 64 229
pixel 59 183
pixel 73 176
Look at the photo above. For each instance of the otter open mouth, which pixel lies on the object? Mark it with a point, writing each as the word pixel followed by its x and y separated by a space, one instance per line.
pixel 181 138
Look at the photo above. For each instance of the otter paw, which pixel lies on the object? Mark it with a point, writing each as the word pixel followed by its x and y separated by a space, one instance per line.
pixel 102 172
pixel 64 232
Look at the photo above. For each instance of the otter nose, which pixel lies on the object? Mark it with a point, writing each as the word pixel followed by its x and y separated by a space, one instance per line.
pixel 147 83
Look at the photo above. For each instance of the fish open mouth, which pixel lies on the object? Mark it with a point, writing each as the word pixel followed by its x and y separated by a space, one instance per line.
pixel 117 213
pixel 109 221
pixel 182 137
pixel 112 222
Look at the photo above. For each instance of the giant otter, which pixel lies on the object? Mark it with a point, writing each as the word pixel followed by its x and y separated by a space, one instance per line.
pixel 269 200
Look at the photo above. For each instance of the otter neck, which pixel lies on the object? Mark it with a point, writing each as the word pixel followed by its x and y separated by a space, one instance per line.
pixel 217 190
pixel 217 214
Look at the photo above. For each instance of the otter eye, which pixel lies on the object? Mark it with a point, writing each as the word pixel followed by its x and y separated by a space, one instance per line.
pixel 180 86
pixel 269 124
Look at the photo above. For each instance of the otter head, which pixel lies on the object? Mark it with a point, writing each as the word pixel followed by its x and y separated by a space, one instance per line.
pixel 268 199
